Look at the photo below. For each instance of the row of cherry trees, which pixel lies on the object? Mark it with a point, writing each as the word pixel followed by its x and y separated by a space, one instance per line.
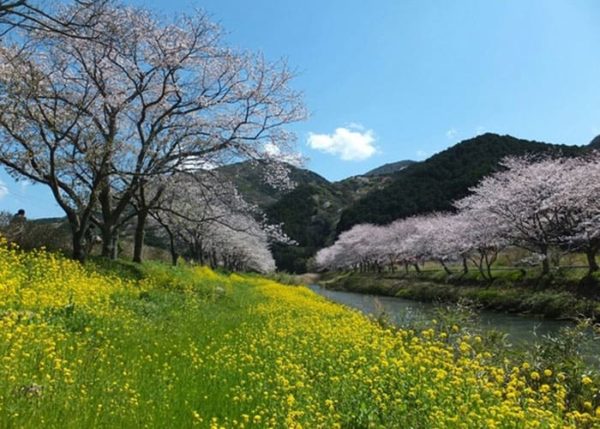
pixel 102 103
pixel 535 204
pixel 207 221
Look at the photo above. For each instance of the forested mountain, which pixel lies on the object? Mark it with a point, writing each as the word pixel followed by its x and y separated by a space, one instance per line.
pixel 433 184
pixel 249 179
pixel 309 213
pixel 595 143
pixel 390 168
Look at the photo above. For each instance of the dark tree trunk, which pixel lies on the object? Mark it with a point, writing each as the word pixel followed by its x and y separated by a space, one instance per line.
pixel 107 241
pixel 488 264
pixel 489 271
pixel 201 254
pixel 446 269
pixel 416 265
pixel 115 246
pixel 79 253
pixel 479 264
pixel 172 247
pixel 78 232
pixel 140 229
pixel 213 260
pixel 110 241
pixel 545 265
pixel 465 266
pixel 112 216
pixel 591 259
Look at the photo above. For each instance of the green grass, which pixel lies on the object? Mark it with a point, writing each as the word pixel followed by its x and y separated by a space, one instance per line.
pixel 560 296
pixel 141 357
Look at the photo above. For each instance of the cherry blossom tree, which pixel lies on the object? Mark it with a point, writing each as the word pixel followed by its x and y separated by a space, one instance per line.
pixel 241 245
pixel 479 236
pixel 205 219
pixel 435 239
pixel 537 204
pixel 94 117
pixel 578 195
pixel 523 198
pixel 369 247
pixel 405 241
pixel 50 16
pixel 353 249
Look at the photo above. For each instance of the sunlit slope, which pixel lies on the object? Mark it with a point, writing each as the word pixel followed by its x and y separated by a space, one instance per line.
pixel 163 347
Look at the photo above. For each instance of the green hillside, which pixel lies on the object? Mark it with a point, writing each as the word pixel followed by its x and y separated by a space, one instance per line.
pixel 309 213
pixel 432 185
pixel 390 168
pixel 249 179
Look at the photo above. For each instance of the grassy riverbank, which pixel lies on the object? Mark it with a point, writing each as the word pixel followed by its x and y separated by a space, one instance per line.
pixel 154 346
pixel 565 295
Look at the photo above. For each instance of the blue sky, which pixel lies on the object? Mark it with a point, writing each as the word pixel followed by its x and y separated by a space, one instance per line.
pixel 391 80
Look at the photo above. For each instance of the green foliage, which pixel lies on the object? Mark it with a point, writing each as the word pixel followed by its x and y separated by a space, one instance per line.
pixel 123 269
pixel 307 220
pixel 565 354
pixel 302 216
pixel 562 354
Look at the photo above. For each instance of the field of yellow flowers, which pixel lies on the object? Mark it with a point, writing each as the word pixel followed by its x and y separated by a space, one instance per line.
pixel 166 347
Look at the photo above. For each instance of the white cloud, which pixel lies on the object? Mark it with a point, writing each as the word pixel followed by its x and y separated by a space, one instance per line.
pixel 3 190
pixel 352 143
pixel 273 151
pixel 451 133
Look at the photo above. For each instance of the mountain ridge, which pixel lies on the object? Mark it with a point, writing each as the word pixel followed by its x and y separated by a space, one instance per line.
pixel 595 143
pixel 390 168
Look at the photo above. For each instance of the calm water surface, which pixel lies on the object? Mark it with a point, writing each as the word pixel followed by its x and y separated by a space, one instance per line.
pixel 521 330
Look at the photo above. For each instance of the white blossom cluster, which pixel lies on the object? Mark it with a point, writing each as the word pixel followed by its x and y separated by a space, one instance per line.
pixel 535 204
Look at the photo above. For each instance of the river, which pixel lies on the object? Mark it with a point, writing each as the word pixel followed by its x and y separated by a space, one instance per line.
pixel 520 330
